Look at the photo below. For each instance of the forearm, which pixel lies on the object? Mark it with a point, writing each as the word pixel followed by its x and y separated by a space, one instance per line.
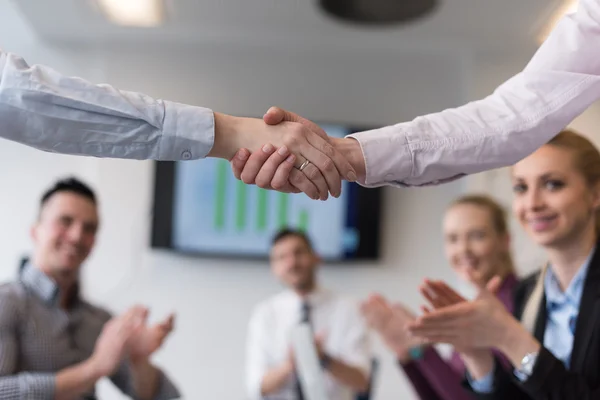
pixel 276 378
pixel 350 149
pixel 350 376
pixel 560 82
pixel 145 379
pixel 41 108
pixel 74 381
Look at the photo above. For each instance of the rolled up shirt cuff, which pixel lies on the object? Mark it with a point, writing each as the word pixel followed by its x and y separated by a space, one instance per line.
pixel 188 132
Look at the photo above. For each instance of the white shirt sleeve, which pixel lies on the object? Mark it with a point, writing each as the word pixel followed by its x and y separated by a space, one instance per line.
pixel 355 349
pixel 43 109
pixel 560 82
pixel 256 354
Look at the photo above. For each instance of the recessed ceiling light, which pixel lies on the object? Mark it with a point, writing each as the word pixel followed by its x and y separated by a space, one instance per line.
pixel 140 13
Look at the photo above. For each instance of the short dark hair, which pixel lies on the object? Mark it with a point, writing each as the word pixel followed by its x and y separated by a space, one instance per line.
pixel 71 185
pixel 289 232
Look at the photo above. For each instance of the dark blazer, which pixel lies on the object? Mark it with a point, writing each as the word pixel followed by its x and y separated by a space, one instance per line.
pixel 550 380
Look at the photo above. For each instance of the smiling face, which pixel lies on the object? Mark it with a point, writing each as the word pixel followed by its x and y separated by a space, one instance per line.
pixel 554 201
pixel 64 234
pixel 474 247
pixel 295 263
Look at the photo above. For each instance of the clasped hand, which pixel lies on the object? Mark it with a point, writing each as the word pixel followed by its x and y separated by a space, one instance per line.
pixel 307 161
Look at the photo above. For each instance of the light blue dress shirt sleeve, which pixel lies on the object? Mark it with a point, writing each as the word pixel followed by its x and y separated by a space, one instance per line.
pixel 483 385
pixel 43 109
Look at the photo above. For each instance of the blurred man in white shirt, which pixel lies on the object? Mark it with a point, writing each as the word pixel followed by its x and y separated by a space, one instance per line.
pixel 341 337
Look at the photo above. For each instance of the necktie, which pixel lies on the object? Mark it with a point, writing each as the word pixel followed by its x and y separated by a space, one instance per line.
pixel 305 313
pixel 304 319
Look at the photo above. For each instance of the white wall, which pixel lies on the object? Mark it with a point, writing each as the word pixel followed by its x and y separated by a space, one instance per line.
pixel 213 298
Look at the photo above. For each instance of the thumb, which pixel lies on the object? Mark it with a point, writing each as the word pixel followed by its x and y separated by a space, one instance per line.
pixel 494 284
pixel 275 115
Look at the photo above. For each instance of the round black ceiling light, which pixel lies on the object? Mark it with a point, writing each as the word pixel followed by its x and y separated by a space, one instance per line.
pixel 378 12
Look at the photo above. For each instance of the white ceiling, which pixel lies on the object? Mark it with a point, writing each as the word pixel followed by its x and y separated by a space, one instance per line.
pixel 473 24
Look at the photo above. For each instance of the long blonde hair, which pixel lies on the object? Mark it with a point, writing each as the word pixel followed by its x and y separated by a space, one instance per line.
pixel 499 220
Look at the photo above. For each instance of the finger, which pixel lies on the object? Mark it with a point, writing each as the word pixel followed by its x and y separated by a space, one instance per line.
pixel 137 320
pixel 425 310
pixel 420 328
pixel 431 296
pixel 340 163
pixel 301 181
pixel 433 338
pixel 255 163
pixel 167 324
pixel 238 162
pixel 271 167
pixel 449 293
pixel 401 311
pixel 128 316
pixel 319 153
pixel 275 115
pixel 377 297
pixel 318 180
pixel 444 293
pixel 446 315
pixel 494 284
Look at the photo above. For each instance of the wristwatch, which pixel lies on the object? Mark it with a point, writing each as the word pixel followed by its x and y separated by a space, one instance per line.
pixel 527 364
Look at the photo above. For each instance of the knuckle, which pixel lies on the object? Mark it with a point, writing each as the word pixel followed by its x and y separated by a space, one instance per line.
pixel 294 137
pixel 328 150
pixel 313 174
pixel 278 184
pixel 247 179
pixel 296 179
pixel 328 165
pixel 262 183
pixel 298 130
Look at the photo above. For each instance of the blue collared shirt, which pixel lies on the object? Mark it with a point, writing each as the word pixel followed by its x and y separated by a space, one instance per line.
pixel 562 309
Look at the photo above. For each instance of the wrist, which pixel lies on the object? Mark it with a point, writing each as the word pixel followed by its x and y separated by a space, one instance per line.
pixel 227 136
pixel 139 362
pixel 517 343
pixel 93 369
pixel 479 362
pixel 351 150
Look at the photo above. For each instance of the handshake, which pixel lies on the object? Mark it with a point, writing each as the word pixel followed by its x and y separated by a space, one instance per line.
pixel 287 153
